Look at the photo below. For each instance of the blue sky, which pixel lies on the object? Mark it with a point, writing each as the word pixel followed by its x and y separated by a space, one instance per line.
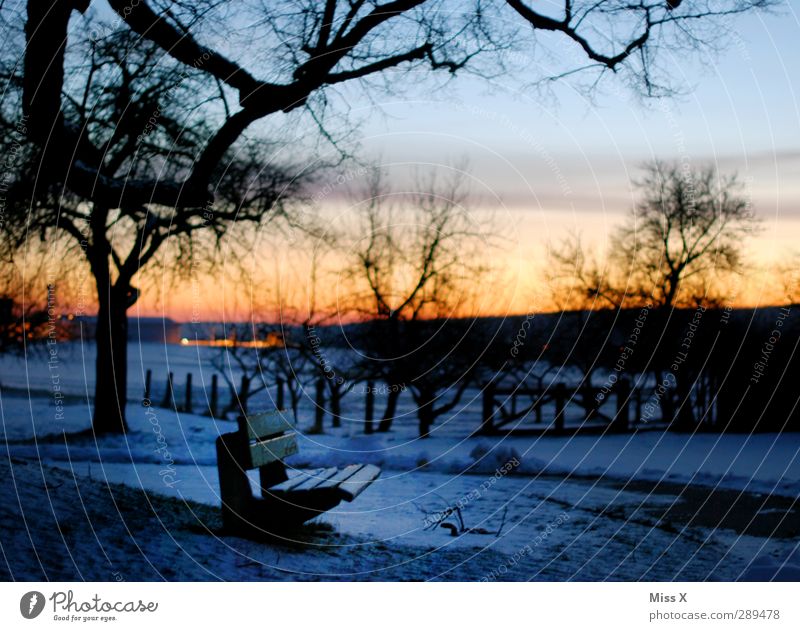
pixel 546 165
pixel 740 110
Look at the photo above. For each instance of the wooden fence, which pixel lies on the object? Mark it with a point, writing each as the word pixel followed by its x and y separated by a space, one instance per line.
pixel 522 410
pixel 207 401
pixel 516 410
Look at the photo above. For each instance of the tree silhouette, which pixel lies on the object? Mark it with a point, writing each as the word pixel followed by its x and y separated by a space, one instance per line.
pixel 136 131
pixel 686 231
pixel 688 225
pixel 679 246
pixel 416 258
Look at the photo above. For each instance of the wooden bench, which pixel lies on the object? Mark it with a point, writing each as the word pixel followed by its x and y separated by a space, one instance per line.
pixel 262 442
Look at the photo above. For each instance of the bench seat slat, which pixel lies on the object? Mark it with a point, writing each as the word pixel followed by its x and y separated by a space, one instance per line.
pixel 294 481
pixel 314 479
pixel 324 479
pixel 357 477
pixel 341 476
pixel 265 451
pixel 351 488
pixel 305 480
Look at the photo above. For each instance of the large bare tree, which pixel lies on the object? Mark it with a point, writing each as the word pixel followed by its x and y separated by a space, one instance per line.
pixel 677 250
pixel 136 127
pixel 416 262
pixel 689 224
pixel 682 238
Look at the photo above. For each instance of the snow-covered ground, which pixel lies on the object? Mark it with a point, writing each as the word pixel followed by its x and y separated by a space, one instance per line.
pixel 764 463
pixel 71 369
pixel 563 509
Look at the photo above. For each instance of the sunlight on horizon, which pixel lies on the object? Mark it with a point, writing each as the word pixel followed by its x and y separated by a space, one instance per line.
pixel 517 283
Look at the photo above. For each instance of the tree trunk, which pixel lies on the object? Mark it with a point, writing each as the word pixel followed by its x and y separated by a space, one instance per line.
pixel 319 408
pixel 391 406
pixel 111 382
pixel 425 413
pixel 666 403
pixel 336 405
pixel 294 398
pixel 244 394
pixel 369 408
pixel 685 414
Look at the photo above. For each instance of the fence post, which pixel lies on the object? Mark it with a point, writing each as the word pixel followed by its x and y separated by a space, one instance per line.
pixel 279 397
pixel 212 408
pixel 188 406
pixel 369 408
pixel 487 420
pixel 319 408
pixel 560 397
pixel 167 402
pixel 147 381
pixel 620 422
pixel 244 393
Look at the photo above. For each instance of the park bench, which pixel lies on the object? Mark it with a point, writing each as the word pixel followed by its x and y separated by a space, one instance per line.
pixel 262 442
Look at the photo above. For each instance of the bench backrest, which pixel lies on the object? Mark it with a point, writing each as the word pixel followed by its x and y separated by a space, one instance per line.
pixel 269 437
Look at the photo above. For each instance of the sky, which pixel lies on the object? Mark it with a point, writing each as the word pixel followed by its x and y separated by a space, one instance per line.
pixel 548 164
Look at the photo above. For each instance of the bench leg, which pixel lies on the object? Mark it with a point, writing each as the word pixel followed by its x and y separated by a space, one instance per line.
pixel 233 484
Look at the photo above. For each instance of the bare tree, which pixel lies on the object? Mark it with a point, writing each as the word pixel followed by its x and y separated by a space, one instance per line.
pixel 315 347
pixel 626 38
pixel 285 345
pixel 239 362
pixel 132 113
pixel 689 224
pixel 578 280
pixel 583 289
pixel 135 130
pixel 294 367
pixel 788 279
pixel 416 259
pixel 678 249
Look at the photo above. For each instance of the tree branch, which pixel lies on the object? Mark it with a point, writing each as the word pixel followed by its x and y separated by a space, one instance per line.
pixel 183 47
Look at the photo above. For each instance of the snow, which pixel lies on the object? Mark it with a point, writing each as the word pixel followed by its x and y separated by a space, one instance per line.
pixel 557 502
pixel 780 567
pixel 41 417
pixel 764 463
